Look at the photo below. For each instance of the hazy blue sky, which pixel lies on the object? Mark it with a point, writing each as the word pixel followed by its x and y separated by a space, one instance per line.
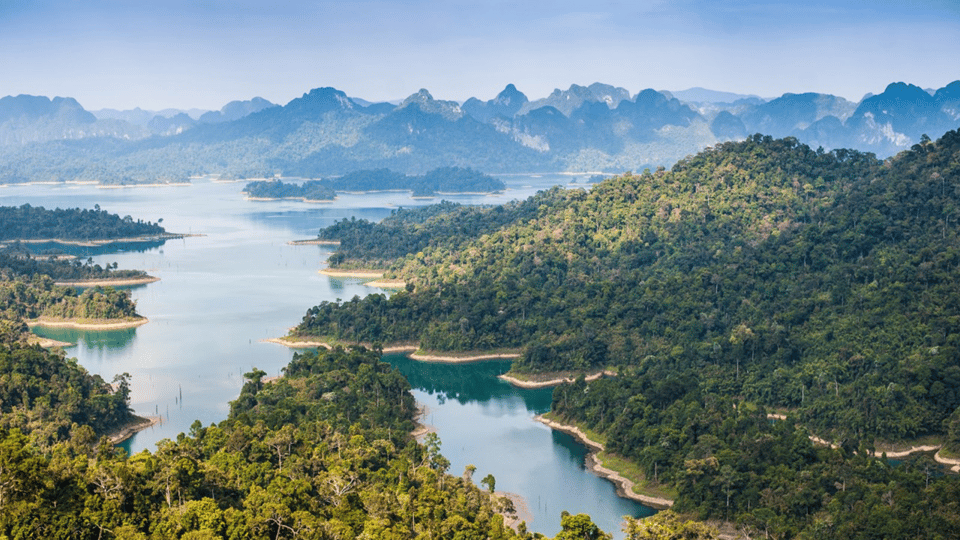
pixel 204 53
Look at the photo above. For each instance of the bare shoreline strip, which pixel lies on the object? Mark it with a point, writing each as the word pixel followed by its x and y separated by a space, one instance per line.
pixel 115 325
pixel 129 186
pixel 372 274
pixel 441 359
pixel 102 242
pixel 313 242
pixel 141 423
pixel 952 462
pixel 298 344
pixel 387 284
pixel 624 485
pixel 48 343
pixel 520 383
pixel 302 199
pixel 410 348
pixel 110 282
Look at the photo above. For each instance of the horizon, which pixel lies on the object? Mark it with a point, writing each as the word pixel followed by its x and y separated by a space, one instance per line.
pixel 180 54
pixel 633 94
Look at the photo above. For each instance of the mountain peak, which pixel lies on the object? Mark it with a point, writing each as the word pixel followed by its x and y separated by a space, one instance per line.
pixel 425 102
pixel 321 100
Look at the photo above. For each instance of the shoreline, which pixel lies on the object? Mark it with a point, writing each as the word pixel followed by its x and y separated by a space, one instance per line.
pixel 444 359
pixel 102 242
pixel 423 428
pixel 313 242
pixel 362 274
pixel 520 383
pixel 139 424
pixel 115 325
pixel 298 344
pixel 521 509
pixel 387 284
pixel 425 356
pixel 47 343
pixel 300 199
pixel 109 282
pixel 153 185
pixel 624 485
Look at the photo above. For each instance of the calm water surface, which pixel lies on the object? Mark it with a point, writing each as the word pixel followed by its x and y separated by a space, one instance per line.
pixel 222 293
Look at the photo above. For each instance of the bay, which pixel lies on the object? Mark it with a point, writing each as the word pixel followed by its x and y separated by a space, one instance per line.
pixel 221 294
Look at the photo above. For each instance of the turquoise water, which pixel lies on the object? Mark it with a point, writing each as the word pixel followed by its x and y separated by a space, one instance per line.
pixel 221 294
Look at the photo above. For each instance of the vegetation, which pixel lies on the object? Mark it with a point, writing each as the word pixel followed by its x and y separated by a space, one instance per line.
pixel 18 261
pixel 49 399
pixel 823 282
pixel 37 223
pixel 754 276
pixel 311 190
pixel 377 245
pixel 442 180
pixel 323 452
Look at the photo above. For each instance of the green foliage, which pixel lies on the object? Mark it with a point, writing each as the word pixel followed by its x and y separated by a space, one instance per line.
pixel 823 282
pixel 311 190
pixel 28 223
pixel 17 261
pixel 410 231
pixel 667 525
pixel 755 274
pixel 322 452
pixel 49 397
pixel 37 297
pixel 579 527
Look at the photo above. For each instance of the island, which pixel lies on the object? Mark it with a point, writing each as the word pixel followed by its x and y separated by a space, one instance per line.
pixel 444 180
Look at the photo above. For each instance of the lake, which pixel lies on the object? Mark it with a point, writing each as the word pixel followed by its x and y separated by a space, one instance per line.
pixel 239 283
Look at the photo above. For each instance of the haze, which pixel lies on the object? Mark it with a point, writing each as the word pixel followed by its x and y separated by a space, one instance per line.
pixel 202 54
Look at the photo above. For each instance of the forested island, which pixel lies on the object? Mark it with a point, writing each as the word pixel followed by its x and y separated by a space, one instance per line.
pixel 73 224
pixel 436 181
pixel 755 296
pixel 309 191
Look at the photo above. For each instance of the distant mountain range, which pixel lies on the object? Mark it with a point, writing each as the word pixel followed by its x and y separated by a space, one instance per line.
pixel 324 132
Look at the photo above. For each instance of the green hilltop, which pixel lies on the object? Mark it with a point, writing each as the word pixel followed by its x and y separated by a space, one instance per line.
pixel 756 277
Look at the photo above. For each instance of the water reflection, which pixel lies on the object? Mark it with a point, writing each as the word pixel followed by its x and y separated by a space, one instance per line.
pixel 468 382
pixel 93 342
pixel 485 422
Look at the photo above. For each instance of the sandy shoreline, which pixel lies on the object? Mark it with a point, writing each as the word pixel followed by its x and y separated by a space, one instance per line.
pixel 423 428
pixel 552 382
pixel 103 242
pixel 373 274
pixel 301 199
pixel 313 242
pixel 47 343
pixel 624 485
pixel 298 344
pixel 444 359
pixel 387 284
pixel 129 186
pixel 398 348
pixel 115 325
pixel 108 282
pixel 140 423
pixel 519 505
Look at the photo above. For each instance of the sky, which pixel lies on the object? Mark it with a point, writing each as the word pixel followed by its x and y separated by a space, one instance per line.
pixel 202 54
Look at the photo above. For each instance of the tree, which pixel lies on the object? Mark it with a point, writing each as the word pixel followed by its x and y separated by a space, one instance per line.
pixel 580 527
pixel 667 525
pixel 490 482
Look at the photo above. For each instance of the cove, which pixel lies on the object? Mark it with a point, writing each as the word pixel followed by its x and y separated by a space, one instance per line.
pixel 239 283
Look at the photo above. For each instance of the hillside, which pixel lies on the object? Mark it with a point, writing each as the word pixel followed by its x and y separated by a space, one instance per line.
pixel 800 279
